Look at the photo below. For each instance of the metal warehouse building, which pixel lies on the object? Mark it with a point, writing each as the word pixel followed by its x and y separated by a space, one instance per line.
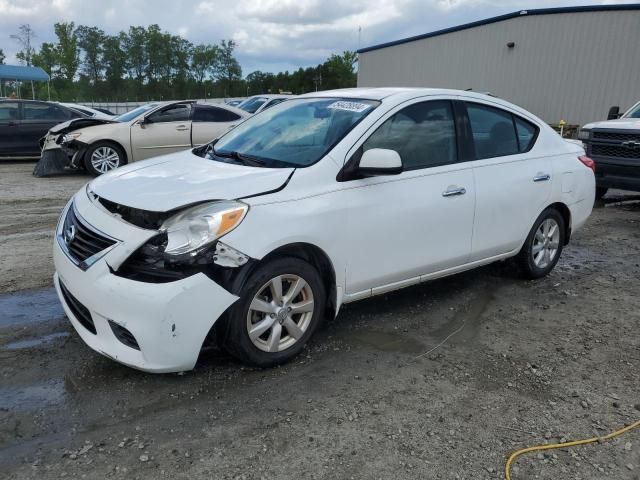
pixel 559 63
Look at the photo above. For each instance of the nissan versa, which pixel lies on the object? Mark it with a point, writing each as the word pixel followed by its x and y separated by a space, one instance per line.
pixel 256 237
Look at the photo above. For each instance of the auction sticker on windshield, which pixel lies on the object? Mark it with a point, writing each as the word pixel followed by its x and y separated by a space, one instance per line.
pixel 349 106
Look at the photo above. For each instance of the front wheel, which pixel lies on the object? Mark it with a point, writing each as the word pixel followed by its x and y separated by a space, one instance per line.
pixel 102 157
pixel 543 246
pixel 280 307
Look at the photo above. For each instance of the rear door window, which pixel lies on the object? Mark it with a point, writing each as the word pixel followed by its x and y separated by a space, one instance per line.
pixel 8 111
pixel 423 134
pixel 494 133
pixel 214 114
pixel 527 133
pixel 44 112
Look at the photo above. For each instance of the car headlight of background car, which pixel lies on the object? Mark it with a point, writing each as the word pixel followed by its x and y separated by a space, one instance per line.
pixel 584 134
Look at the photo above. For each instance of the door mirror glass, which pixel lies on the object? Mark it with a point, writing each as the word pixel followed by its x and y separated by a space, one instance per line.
pixel 380 161
pixel 614 113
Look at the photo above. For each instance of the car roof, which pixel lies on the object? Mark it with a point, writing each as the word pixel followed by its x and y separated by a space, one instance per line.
pixel 380 93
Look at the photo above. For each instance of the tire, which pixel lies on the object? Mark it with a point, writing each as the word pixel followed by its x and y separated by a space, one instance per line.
pixel 601 192
pixel 537 256
pixel 96 158
pixel 261 348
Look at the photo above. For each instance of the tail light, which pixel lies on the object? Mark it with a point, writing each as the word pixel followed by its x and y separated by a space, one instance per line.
pixel 588 162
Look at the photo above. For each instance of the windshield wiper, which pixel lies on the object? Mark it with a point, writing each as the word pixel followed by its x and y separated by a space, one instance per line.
pixel 243 158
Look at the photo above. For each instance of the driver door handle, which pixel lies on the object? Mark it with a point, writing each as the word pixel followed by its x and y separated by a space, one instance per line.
pixel 182 128
pixel 453 191
pixel 542 177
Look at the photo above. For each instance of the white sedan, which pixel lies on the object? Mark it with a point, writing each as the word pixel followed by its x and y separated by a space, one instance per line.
pixel 322 200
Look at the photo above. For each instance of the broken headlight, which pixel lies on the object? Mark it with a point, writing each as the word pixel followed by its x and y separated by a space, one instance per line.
pixel 196 227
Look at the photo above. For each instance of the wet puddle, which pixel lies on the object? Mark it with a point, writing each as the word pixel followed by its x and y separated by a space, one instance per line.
pixel 386 341
pixel 29 307
pixel 34 342
pixel 32 397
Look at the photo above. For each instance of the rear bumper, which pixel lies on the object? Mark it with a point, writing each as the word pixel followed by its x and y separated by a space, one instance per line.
pixel 169 321
pixel 612 175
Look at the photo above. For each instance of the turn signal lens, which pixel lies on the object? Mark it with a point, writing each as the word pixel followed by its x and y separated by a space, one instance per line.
pixel 588 162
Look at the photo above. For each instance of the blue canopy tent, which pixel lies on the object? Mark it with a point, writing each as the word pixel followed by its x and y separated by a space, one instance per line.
pixel 21 73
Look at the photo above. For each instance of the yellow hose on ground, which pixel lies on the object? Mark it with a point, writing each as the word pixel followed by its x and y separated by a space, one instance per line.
pixel 516 454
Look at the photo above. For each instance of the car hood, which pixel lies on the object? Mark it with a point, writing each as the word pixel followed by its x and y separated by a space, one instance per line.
pixel 619 124
pixel 78 123
pixel 176 180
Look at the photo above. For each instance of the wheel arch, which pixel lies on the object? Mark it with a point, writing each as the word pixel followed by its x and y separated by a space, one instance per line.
pixel 566 216
pixel 319 259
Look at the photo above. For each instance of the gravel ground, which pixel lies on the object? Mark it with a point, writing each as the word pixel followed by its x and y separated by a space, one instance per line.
pixel 517 363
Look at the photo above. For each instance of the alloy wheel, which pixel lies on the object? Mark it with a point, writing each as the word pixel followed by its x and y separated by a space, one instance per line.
pixel 280 313
pixel 105 159
pixel 546 243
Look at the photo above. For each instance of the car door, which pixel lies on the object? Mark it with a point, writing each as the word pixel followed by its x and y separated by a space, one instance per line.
pixel 36 120
pixel 420 221
pixel 512 179
pixel 9 124
pixel 210 122
pixel 165 130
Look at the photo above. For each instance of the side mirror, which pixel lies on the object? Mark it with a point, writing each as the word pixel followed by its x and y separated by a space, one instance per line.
pixel 614 112
pixel 380 161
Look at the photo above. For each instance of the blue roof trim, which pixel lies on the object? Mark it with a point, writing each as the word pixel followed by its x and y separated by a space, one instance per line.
pixel 19 72
pixel 508 16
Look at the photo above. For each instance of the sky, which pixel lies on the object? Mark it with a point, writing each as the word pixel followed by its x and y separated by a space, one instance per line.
pixel 271 35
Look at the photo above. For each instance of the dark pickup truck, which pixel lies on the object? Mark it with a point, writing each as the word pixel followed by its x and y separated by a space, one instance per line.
pixel 615 146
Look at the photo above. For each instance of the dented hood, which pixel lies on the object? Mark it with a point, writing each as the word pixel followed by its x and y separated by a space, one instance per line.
pixel 172 181
pixel 77 123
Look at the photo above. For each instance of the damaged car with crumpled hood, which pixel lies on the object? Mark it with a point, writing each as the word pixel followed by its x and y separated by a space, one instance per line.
pixel 101 145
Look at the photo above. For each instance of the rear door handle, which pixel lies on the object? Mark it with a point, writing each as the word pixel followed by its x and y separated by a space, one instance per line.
pixel 453 191
pixel 182 128
pixel 542 177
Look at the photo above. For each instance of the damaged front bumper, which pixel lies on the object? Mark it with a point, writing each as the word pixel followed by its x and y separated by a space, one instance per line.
pixel 59 154
pixel 154 327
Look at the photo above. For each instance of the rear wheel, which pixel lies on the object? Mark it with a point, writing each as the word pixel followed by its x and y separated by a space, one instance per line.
pixel 102 157
pixel 543 246
pixel 280 307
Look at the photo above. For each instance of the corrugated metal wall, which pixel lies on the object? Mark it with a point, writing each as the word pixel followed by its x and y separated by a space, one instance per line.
pixel 570 66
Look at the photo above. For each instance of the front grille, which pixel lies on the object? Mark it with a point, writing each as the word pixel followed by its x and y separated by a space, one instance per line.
pixel 124 335
pixel 79 311
pixel 82 241
pixel 614 151
pixel 618 136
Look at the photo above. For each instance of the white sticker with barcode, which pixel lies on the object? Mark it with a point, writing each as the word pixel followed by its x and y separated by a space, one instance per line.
pixel 349 106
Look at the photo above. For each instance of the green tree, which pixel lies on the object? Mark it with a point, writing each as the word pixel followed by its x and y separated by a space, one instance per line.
pixel 91 41
pixel 47 59
pixel 115 60
pixel 24 38
pixel 2 57
pixel 135 48
pixel 204 59
pixel 67 49
pixel 227 69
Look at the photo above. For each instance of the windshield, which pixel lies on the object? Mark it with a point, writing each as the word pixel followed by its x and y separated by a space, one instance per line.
pixel 294 133
pixel 252 104
pixel 634 112
pixel 125 117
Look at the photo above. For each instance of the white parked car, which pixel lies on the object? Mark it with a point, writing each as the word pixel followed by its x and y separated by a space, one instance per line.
pixel 258 103
pixel 88 111
pixel 323 200
pixel 154 129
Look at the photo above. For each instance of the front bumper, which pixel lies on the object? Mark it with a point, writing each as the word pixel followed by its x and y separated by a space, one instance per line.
pixel 169 321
